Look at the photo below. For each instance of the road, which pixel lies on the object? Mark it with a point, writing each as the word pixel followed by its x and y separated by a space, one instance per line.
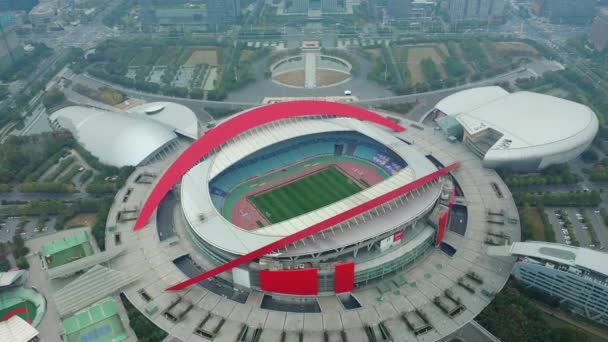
pixel 427 100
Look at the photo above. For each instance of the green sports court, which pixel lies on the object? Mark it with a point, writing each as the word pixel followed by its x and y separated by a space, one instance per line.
pixel 98 323
pixel 70 248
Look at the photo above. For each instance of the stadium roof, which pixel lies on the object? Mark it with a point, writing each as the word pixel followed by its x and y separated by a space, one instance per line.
pixel 94 285
pixel 568 255
pixel 84 263
pixel 525 119
pixel 117 139
pixel 181 118
pixel 242 124
pixel 196 199
pixel 15 329
pixel 8 278
pixel 67 242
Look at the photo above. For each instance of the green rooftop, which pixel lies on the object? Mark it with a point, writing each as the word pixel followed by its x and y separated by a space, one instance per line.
pixel 67 242
pixel 98 323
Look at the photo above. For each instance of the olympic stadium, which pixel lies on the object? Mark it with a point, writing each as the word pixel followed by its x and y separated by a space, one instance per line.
pixel 313 221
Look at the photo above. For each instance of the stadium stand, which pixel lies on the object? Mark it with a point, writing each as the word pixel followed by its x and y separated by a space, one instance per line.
pixel 295 150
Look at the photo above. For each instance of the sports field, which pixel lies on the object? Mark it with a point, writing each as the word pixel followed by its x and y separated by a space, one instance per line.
pixel 22 308
pixel 304 194
pixel 70 254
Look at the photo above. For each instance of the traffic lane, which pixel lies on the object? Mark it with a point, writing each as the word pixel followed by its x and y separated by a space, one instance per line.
pixel 557 227
pixel 581 234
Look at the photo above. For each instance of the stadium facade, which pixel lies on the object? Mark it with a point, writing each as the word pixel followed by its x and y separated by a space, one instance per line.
pixel 227 188
pixel 522 131
pixel 312 208
pixel 577 277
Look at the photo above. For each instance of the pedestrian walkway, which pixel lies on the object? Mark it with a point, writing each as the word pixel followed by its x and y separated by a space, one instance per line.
pixel 310 70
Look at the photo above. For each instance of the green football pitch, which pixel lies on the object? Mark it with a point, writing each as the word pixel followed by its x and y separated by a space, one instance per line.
pixel 305 194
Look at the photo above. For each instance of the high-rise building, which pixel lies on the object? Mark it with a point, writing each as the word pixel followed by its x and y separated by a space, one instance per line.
pixel 565 11
pixel 297 6
pixel 399 9
pixel 223 11
pixel 476 9
pixel 472 9
pixel 329 6
pixel 498 8
pixel 485 9
pixel 577 277
pixel 458 9
pixel 599 30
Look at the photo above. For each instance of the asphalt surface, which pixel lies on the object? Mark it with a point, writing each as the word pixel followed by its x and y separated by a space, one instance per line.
pixel 458 220
pixel 190 269
pixel 270 303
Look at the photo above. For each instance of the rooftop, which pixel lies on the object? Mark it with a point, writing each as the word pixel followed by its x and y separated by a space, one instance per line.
pixel 179 117
pixel 524 118
pixel 568 255
pixel 8 278
pixel 15 329
pixel 196 199
pixel 117 139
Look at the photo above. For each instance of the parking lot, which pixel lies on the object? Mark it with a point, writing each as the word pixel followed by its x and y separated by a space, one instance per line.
pixel 579 230
pixel 9 227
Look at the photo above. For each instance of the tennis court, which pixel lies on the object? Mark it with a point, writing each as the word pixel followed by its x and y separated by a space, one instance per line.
pixel 98 323
pixel 305 194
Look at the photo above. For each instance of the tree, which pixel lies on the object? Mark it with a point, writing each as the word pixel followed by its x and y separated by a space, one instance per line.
pixel 4 264
pixel 589 156
pixel 22 263
pixel 53 98
pixel 3 92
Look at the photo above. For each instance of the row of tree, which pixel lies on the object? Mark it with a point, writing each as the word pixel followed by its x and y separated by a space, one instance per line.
pixel 513 317
pixel 560 199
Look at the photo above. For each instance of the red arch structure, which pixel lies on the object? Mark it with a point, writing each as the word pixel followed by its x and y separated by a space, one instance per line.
pixel 240 124
pixel 315 228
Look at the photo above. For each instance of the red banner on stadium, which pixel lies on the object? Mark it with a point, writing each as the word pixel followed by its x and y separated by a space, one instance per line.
pixel 295 282
pixel 398 236
pixel 345 277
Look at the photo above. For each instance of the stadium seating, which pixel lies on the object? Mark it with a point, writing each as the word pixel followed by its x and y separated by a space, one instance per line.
pixel 291 151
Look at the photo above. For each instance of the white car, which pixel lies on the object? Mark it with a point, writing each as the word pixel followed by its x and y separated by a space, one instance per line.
pixel 348 93
pixel 568 242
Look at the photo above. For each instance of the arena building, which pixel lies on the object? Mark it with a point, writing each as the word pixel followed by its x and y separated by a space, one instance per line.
pixel 131 138
pixel 313 220
pixel 523 131
pixel 577 277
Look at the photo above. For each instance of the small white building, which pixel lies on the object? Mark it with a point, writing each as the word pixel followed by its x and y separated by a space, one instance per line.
pixel 15 329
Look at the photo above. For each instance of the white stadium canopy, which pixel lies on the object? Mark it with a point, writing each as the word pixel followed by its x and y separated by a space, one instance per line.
pixel 537 130
pixel 117 139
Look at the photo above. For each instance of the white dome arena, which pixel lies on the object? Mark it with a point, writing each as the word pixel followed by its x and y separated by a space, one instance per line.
pixel 523 131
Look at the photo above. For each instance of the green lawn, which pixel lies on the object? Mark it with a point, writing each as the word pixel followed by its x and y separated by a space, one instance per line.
pixel 71 254
pixel 305 194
